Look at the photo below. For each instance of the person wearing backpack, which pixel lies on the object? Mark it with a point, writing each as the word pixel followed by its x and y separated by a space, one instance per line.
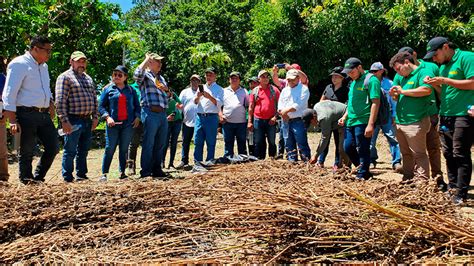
pixel 361 114
pixel 263 115
pixel 388 129
pixel 412 116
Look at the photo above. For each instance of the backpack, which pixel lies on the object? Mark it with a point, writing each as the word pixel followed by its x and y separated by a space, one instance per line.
pixel 383 115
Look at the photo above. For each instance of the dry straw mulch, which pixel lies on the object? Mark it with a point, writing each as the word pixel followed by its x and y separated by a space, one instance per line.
pixel 261 212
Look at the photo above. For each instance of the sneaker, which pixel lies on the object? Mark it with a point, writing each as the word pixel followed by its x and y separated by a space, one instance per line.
pixel 81 178
pixel 131 171
pixel 123 176
pixel 162 176
pixel 441 185
pixel 103 178
pixel 198 169
pixel 398 168
pixel 458 200
pixel 181 165
pixel 374 165
pixel 171 166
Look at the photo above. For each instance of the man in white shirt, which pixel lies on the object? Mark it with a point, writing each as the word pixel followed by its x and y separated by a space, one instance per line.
pixel 29 107
pixel 187 97
pixel 292 103
pixel 233 118
pixel 209 103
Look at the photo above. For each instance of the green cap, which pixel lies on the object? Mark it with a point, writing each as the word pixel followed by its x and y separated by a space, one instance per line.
pixel 210 70
pixel 235 73
pixel 78 55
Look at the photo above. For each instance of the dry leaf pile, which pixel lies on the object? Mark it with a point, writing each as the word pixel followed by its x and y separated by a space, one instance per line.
pixel 269 211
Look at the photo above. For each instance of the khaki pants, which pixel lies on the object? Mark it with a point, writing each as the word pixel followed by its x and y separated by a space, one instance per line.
pixel 433 144
pixel 412 141
pixel 3 151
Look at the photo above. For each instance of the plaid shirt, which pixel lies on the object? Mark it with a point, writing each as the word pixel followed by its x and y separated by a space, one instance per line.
pixel 75 95
pixel 150 94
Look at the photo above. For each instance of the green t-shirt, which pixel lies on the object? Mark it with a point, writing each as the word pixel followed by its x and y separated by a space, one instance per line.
pixel 412 109
pixel 135 87
pixel 172 107
pixel 431 70
pixel 454 102
pixel 358 107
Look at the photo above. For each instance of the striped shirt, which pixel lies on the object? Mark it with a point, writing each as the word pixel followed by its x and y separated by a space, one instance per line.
pixel 150 94
pixel 75 95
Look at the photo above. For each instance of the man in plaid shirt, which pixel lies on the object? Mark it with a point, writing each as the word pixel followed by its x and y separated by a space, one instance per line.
pixel 77 108
pixel 154 102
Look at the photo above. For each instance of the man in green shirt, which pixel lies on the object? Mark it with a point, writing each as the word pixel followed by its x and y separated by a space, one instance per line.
pixel 433 143
pixel 413 115
pixel 359 118
pixel 456 84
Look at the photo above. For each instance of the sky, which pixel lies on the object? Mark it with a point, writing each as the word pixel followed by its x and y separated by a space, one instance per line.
pixel 124 4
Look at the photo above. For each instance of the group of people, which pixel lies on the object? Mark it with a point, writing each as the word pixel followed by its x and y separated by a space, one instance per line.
pixel 423 109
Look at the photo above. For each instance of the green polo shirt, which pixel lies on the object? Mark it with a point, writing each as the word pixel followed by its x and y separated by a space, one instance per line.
pixel 358 107
pixel 454 101
pixel 431 70
pixel 172 107
pixel 412 109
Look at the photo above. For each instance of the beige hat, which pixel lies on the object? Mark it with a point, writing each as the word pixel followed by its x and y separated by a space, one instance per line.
pixel 292 74
pixel 156 56
pixel 78 55
pixel 195 76
pixel 263 72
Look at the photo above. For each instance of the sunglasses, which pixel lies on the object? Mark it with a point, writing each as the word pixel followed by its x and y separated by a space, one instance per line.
pixel 48 50
pixel 117 74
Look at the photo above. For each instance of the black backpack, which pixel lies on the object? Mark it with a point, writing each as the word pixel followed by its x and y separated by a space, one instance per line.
pixel 383 115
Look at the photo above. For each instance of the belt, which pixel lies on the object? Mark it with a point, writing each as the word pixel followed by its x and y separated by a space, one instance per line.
pixel 156 109
pixel 80 116
pixel 33 108
pixel 295 119
pixel 208 114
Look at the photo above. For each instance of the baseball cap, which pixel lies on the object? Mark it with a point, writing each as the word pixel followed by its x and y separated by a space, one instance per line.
pixel 337 71
pixel 295 66
pixel 210 70
pixel 254 79
pixel 195 76
pixel 433 45
pixel 235 73
pixel 78 55
pixel 350 64
pixel 376 67
pixel 406 49
pixel 156 56
pixel 262 72
pixel 122 69
pixel 292 74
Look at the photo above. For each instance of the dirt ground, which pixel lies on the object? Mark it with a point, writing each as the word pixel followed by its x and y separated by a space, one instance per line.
pixel 383 170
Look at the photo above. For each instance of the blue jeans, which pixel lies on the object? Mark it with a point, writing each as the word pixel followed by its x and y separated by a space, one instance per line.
pixel 337 160
pixel 261 130
pixel 295 135
pixel 155 128
pixel 174 127
pixel 389 133
pixel 205 130
pixel 357 147
pixel 233 131
pixel 120 135
pixel 76 145
pixel 187 136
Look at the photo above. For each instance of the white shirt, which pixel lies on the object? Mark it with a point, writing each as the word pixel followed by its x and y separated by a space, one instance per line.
pixel 235 103
pixel 189 107
pixel 205 106
pixel 296 97
pixel 27 84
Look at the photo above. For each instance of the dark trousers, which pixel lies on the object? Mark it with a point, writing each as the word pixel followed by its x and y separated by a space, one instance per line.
pixel 35 125
pixel 187 135
pixel 234 132
pixel 322 157
pixel 357 147
pixel 456 142
pixel 174 127
pixel 135 142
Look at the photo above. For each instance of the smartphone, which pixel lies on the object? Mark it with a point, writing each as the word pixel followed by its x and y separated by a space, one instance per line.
pixel 280 65
pixel 201 88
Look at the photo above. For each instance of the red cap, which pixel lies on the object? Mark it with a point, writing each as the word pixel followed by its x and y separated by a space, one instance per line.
pixel 296 66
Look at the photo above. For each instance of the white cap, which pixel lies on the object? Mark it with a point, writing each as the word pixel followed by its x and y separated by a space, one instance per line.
pixel 292 74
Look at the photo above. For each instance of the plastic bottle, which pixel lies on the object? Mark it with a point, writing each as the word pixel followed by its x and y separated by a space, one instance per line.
pixel 470 110
pixel 74 128
pixel 445 131
pixel 250 136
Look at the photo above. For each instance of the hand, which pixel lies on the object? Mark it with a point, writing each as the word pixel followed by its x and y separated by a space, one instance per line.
pixel 436 81
pixel 222 119
pixel 136 122
pixel 341 121
pixel 199 94
pixel 170 118
pixel 95 122
pixel 67 127
pixel 15 128
pixel 250 126
pixel 369 131
pixel 110 121
pixel 272 121
pixel 275 70
pixel 313 159
pixel 179 106
pixel 52 110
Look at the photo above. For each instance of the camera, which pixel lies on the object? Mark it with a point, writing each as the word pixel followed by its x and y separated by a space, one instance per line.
pixel 280 65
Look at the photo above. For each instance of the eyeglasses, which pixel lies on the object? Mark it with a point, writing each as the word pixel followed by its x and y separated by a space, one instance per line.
pixel 119 75
pixel 48 50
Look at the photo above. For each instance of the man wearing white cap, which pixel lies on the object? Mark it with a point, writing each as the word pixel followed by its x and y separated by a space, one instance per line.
pixel 291 106
pixel 378 70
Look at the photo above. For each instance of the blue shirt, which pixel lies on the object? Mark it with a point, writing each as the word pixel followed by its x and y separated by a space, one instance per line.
pixel 296 97
pixel 205 106
pixel 151 95
pixel 27 84
pixel 108 103
pixel 386 84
